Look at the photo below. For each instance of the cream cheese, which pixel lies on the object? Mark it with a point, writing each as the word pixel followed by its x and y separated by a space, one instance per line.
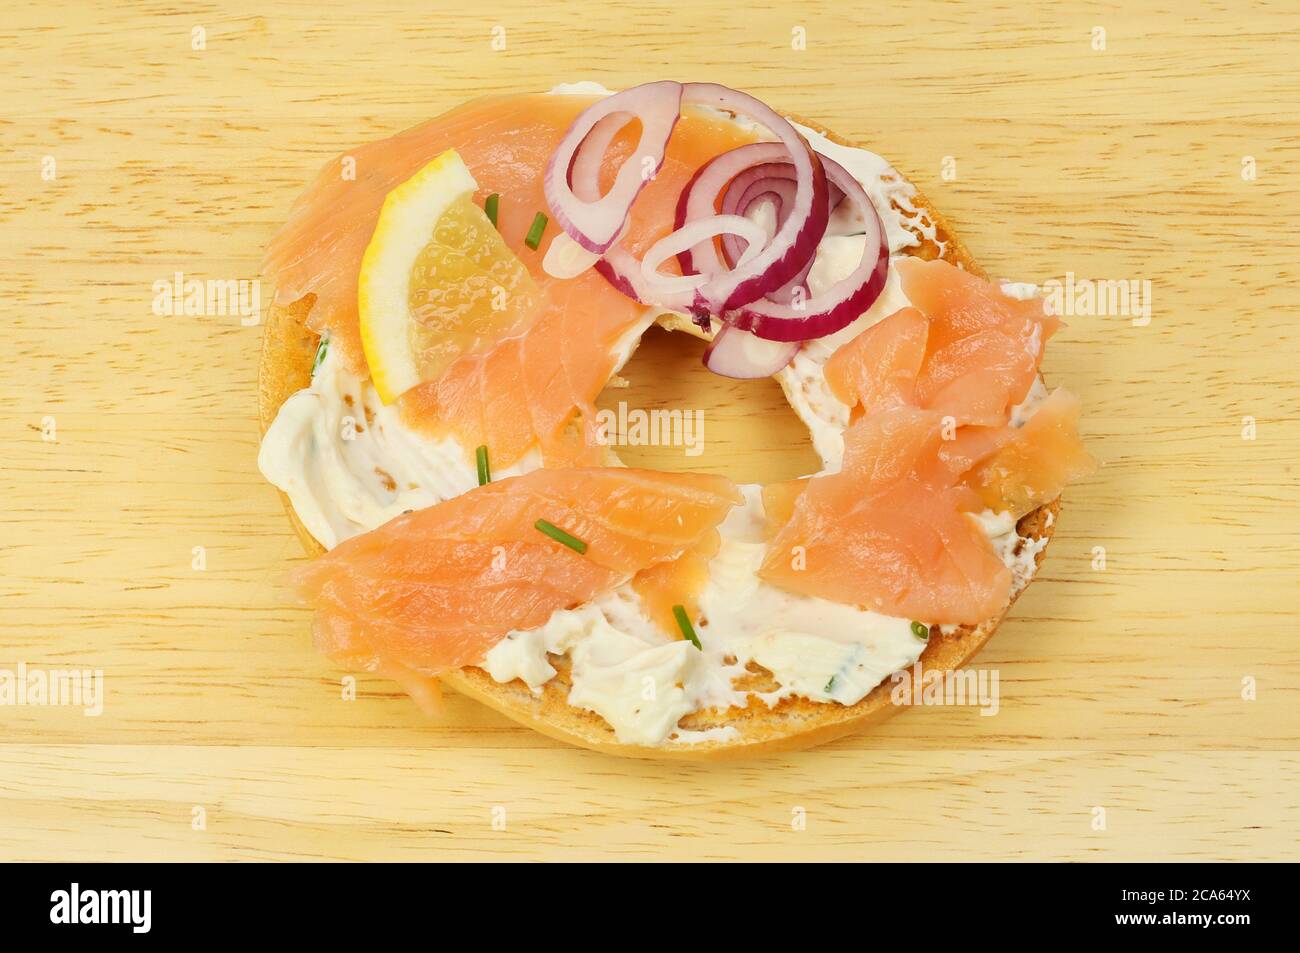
pixel 523 654
pixel 640 690
pixel 1020 290
pixel 641 684
pixel 349 463
pixel 1018 553
pixel 642 681
pixel 585 87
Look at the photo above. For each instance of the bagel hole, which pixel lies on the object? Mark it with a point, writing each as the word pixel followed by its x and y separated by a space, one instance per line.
pixel 749 433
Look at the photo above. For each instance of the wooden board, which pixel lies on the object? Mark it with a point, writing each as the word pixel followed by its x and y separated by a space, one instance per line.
pixel 1121 688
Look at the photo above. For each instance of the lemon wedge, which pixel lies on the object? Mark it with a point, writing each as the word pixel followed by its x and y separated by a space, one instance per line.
pixel 437 281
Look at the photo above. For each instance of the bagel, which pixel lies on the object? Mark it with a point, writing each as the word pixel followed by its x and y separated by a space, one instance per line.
pixel 286 360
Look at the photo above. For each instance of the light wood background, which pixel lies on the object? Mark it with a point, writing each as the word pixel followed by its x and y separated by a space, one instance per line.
pixel 1121 688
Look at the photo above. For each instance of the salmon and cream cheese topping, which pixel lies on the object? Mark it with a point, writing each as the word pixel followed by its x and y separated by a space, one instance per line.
pixel 680 581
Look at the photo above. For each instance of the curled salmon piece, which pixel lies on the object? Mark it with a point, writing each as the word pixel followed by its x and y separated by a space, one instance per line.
pixel 878 369
pixel 983 347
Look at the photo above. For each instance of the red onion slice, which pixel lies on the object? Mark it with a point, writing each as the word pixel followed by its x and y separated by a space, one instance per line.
pixel 584 170
pixel 843 302
pixel 693 233
pixel 799 283
pixel 774 183
pixel 776 193
pixel 785 256
pixel 594 223
pixel 771 181
pixel 621 269
pixel 700 197
pixel 758 288
pixel 737 353
pixel 795 240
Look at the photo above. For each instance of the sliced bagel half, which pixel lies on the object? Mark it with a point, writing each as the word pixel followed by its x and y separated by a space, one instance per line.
pixel 288 351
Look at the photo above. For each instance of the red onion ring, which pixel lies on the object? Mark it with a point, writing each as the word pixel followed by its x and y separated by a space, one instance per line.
pixel 693 233
pixel 736 353
pixel 780 192
pixel 617 265
pixel 769 180
pixel 621 270
pixel 785 294
pixel 594 223
pixel 754 288
pixel 796 240
pixel 700 197
pixel 584 171
pixel 789 250
pixel 843 302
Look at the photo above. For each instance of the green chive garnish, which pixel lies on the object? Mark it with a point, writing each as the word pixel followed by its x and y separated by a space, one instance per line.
pixel 684 623
pixel 535 232
pixel 321 350
pixel 921 631
pixel 830 686
pixel 484 470
pixel 490 206
pixel 560 536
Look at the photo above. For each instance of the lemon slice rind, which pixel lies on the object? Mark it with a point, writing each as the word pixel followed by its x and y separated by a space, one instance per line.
pixel 406 225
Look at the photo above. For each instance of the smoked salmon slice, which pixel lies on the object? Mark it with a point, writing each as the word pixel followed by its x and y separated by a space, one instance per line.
pixel 435 589
pixel 528 389
pixel 970 353
pixel 561 361
pixel 1032 464
pixel 878 369
pixel 889 530
pixel 983 347
pixel 931 440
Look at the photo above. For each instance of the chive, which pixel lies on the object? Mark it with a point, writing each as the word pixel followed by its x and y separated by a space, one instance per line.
pixel 535 232
pixel 830 686
pixel 484 470
pixel 684 623
pixel 321 350
pixel 921 631
pixel 490 206
pixel 560 536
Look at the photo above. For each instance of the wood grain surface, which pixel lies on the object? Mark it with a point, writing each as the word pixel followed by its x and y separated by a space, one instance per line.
pixel 1149 709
